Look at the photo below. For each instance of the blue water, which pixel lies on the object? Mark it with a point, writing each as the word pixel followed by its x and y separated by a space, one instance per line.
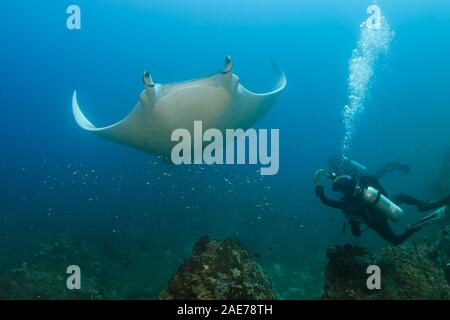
pixel 56 177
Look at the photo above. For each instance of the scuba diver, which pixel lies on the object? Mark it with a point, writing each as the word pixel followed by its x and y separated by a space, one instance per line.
pixel 365 201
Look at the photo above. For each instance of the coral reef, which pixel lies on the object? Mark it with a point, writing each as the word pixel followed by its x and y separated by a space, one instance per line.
pixel 219 269
pixel 345 272
pixel 414 270
pixel 125 270
pixel 442 251
pixel 44 276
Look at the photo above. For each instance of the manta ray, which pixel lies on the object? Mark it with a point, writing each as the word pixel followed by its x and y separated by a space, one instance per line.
pixel 219 101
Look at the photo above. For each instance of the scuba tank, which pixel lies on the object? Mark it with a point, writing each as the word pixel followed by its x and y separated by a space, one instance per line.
pixel 380 203
pixel 355 165
pixel 343 165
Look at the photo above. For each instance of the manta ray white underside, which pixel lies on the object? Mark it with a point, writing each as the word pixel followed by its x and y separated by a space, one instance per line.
pixel 219 101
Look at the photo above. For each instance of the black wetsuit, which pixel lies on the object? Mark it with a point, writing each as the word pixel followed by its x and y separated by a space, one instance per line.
pixel 358 212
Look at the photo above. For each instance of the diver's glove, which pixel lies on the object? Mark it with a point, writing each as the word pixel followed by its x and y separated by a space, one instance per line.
pixel 320 191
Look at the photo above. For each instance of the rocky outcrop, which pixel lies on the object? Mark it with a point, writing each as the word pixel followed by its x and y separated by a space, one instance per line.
pixel 345 272
pixel 414 270
pixel 219 269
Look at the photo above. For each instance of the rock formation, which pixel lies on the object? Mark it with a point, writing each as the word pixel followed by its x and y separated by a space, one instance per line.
pixel 219 269
pixel 418 269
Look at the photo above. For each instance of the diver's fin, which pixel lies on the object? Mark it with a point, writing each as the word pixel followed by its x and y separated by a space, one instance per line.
pixel 434 217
